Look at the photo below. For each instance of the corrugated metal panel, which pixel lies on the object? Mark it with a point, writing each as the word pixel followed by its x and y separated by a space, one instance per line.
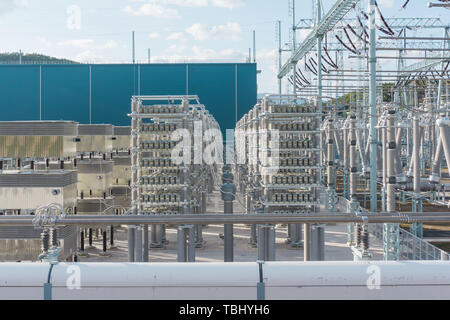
pixel 122 161
pixel 38 128
pixel 95 206
pixel 38 179
pixel 95 129
pixel 122 131
pixel 95 166
pixel 28 146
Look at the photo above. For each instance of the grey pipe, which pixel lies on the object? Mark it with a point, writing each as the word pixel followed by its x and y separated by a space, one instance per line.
pixel 416 180
pixel 390 197
pixel 139 251
pixel 445 137
pixel 228 234
pixel 435 169
pixel 131 236
pixel 146 244
pixel 307 242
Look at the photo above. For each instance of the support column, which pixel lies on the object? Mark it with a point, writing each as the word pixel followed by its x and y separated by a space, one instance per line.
pixel 138 244
pixel 186 243
pixel 266 242
pixel 416 228
pixel 307 242
pixel 145 254
pixel 131 238
pixel 228 234
pixel 228 191
pixel 391 230
pixel 373 107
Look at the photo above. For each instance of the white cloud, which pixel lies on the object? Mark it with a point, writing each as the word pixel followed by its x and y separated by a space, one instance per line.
pixel 153 35
pixel 110 45
pixel 80 43
pixel 231 30
pixel 88 56
pixel 21 3
pixel 230 4
pixel 177 36
pixel 44 41
pixel 187 3
pixel 203 54
pixel 159 6
pixel 175 49
pixel 200 54
pixel 152 9
pixel 9 5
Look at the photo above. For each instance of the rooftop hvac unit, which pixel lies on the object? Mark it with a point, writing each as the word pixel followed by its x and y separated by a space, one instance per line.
pixel 95 177
pixel 27 190
pixel 121 138
pixel 95 138
pixel 38 139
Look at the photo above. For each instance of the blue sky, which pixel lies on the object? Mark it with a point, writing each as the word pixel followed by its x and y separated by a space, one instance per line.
pixel 175 30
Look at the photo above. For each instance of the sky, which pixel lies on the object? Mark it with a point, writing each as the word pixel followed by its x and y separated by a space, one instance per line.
pixel 99 31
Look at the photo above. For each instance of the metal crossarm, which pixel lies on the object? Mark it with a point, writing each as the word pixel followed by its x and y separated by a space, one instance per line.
pixel 336 13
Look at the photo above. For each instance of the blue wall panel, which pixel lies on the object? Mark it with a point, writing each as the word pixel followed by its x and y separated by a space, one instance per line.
pixel 112 89
pixel 102 93
pixel 162 79
pixel 215 86
pixel 65 93
pixel 246 88
pixel 19 93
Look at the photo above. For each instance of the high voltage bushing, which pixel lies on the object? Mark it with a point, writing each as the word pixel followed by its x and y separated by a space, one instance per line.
pixel 45 241
pixel 228 191
pixel 227 177
pixel 54 237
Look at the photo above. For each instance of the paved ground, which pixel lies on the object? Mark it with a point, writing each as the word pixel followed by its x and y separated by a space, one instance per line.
pixel 336 247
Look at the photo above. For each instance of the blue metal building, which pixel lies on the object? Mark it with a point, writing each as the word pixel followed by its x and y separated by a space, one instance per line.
pixel 101 93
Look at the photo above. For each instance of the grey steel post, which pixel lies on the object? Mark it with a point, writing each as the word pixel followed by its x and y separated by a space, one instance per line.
pixel 391 230
pixel 417 201
pixel 294 46
pixel 266 242
pixel 146 244
pixel 181 249
pixel 271 239
pixel 353 174
pixel 314 240
pixel 198 227
pixel 138 243
pixel 307 242
pixel 331 189
pixel 279 56
pixel 261 243
pixel 131 235
pixel 321 242
pixel 384 153
pixel 228 191
pixel 191 243
pixel 153 232
pixel 373 107
pixel 228 234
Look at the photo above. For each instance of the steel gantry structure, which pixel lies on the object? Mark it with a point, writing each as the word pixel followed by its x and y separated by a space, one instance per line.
pixel 418 87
